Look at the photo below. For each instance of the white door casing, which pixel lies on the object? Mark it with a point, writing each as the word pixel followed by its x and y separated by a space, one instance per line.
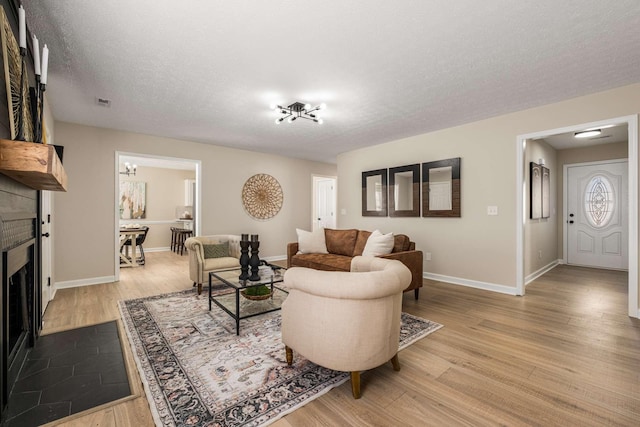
pixel 45 245
pixel 597 214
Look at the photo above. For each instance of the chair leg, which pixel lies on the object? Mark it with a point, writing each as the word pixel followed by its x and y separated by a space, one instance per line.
pixel 289 354
pixel 199 288
pixel 142 260
pixel 395 362
pixel 416 292
pixel 355 384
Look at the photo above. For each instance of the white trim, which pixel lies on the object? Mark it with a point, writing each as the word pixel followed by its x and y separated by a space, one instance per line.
pixel 275 258
pixel 160 249
pixel 533 276
pixel 116 226
pixel 147 221
pixel 632 123
pixel 634 310
pixel 509 290
pixel 85 282
pixel 521 182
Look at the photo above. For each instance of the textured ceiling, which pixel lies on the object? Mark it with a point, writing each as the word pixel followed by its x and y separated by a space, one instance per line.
pixel 207 71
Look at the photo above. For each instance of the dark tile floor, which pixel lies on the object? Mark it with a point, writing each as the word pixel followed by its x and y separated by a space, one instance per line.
pixel 66 373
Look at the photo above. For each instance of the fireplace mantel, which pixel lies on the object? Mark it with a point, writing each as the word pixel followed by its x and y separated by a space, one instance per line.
pixel 35 165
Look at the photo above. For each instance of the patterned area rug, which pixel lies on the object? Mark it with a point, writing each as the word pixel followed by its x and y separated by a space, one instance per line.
pixel 197 372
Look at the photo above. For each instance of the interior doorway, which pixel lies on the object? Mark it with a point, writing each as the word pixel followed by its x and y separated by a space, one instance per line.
pixel 172 208
pixel 324 202
pixel 631 123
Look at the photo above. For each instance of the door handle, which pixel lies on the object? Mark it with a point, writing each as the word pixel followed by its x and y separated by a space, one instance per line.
pixel 45 234
pixel 571 222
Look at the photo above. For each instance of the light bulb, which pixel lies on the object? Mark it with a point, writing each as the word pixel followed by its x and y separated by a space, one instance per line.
pixel 322 106
pixel 320 121
pixel 272 106
pixel 278 121
pixel 588 133
pixel 307 106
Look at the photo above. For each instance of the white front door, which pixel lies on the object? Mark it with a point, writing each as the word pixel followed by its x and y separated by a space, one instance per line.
pixel 45 245
pixel 597 215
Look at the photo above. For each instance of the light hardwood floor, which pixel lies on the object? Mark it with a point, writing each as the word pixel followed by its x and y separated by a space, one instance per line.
pixel 565 354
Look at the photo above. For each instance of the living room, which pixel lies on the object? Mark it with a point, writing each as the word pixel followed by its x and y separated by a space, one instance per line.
pixel 476 250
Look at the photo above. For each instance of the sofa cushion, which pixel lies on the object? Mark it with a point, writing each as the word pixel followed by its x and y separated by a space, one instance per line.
pixel 211 264
pixel 401 243
pixel 341 242
pixel 219 250
pixel 330 262
pixel 311 242
pixel 379 244
pixel 361 242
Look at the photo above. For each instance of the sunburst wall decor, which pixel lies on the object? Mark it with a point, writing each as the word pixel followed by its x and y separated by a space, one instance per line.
pixel 262 196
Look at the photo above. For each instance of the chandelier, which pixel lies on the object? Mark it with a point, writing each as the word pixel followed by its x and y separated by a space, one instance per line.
pixel 129 169
pixel 298 110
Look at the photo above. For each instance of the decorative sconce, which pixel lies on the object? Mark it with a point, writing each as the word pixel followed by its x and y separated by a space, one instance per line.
pixel 129 169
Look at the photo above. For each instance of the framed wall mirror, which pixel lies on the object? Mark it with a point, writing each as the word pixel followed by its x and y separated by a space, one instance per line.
pixel 374 193
pixel 441 188
pixel 404 190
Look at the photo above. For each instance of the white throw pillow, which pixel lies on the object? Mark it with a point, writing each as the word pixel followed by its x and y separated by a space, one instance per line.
pixel 311 242
pixel 378 244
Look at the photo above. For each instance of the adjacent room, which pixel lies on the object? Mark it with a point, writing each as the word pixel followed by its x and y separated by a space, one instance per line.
pixel 319 213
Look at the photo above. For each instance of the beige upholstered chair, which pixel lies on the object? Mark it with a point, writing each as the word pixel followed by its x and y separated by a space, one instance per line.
pixel 345 321
pixel 199 267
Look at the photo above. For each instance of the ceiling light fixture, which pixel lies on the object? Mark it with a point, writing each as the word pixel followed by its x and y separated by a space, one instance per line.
pixel 587 133
pixel 129 169
pixel 299 110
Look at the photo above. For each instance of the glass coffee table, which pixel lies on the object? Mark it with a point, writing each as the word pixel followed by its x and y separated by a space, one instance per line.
pixel 239 306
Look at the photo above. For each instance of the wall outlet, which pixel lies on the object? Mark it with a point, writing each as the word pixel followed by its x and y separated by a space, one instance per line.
pixel 343 211
pixel 428 256
pixel 492 210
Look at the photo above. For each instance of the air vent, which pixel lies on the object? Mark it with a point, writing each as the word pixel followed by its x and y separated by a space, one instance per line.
pixel 103 102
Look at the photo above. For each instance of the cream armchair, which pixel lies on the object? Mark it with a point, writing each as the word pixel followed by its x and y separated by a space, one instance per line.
pixel 199 266
pixel 345 321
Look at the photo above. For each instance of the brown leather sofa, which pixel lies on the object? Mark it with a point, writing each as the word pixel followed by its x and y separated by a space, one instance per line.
pixel 343 245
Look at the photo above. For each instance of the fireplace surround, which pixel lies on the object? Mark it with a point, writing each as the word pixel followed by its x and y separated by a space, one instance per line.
pixel 20 320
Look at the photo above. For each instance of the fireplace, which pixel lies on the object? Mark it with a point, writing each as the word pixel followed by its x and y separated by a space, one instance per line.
pixel 19 286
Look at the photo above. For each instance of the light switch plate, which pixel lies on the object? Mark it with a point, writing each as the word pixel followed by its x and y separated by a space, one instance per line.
pixel 492 210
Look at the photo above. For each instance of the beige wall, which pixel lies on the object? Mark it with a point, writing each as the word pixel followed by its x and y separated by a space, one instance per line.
pixel 475 247
pixel 164 193
pixel 85 214
pixel 540 235
pixel 582 155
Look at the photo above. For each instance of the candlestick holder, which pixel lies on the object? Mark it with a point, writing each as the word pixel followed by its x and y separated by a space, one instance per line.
pixel 244 258
pixel 254 261
pixel 20 133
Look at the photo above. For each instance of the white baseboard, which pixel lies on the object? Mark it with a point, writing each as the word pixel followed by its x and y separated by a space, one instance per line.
pixel 533 276
pixel 471 283
pixel 274 258
pixel 162 249
pixel 84 282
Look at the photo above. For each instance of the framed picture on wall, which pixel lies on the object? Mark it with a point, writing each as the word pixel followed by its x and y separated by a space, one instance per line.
pixel 546 197
pixel 535 190
pixel 133 203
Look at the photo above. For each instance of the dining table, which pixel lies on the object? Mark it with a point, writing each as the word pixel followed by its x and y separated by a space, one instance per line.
pixel 129 235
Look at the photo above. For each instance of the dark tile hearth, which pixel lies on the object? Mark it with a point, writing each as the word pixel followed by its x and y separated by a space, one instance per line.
pixel 66 373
